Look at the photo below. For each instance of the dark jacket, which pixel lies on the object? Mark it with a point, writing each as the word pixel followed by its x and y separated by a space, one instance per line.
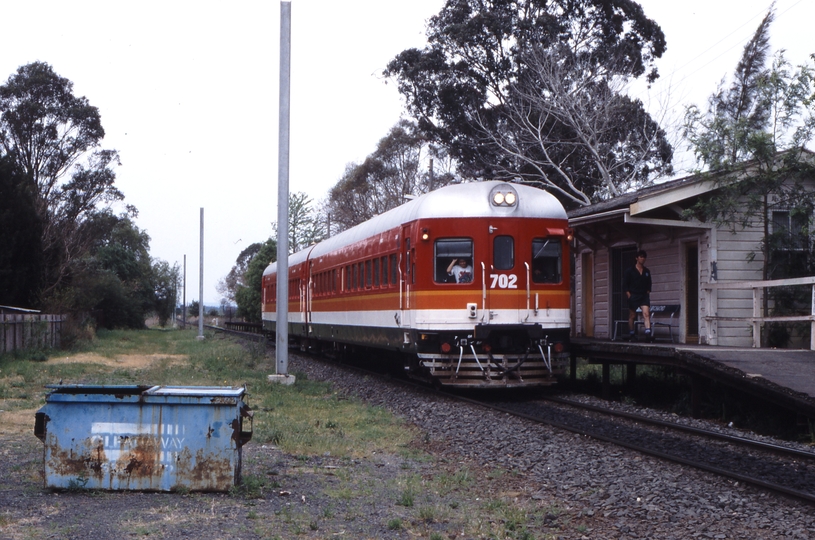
pixel 635 283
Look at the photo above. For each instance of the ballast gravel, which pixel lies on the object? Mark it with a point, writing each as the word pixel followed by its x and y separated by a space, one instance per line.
pixel 617 492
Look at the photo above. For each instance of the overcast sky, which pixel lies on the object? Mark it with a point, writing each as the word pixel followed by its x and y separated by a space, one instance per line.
pixel 188 93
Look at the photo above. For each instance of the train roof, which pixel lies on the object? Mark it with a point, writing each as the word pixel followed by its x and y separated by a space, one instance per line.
pixel 472 199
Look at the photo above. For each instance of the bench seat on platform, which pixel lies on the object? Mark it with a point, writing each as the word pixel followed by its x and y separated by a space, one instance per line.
pixel 658 314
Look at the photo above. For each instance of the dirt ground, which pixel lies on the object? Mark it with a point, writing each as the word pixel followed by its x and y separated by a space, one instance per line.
pixel 20 422
pixel 289 496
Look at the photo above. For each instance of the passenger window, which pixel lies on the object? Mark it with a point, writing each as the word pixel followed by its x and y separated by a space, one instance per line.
pixel 546 260
pixel 384 271
pixel 453 260
pixel 394 270
pixel 503 253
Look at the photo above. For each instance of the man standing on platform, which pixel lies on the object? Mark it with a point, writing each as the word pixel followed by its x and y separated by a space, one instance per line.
pixel 637 287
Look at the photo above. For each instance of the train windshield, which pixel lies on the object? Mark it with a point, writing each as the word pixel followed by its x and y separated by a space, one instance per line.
pixel 453 260
pixel 546 260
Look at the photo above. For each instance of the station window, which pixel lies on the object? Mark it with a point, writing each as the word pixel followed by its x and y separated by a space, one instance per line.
pixel 546 260
pixel 448 249
pixel 503 253
pixel 789 251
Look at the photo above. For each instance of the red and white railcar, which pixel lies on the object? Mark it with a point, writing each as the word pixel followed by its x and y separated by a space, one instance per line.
pixel 385 284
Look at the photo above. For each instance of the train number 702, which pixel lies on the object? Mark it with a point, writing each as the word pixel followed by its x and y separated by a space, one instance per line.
pixel 504 281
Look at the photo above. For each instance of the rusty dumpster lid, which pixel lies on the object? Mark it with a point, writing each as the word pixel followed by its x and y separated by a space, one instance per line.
pixel 128 393
pixel 197 391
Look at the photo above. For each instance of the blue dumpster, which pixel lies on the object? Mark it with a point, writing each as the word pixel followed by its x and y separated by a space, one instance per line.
pixel 153 438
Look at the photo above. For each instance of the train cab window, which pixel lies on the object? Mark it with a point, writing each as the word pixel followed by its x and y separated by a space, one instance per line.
pixel 503 253
pixel 448 249
pixel 546 260
pixel 376 272
pixel 368 280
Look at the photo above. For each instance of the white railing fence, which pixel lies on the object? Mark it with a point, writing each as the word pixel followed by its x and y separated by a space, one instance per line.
pixel 757 320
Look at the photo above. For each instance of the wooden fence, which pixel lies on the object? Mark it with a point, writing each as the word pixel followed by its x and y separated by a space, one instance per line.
pixel 757 320
pixel 29 331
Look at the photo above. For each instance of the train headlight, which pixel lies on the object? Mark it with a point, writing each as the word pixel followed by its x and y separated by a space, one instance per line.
pixel 503 195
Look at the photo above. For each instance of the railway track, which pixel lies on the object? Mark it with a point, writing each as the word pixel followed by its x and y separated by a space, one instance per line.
pixel 774 467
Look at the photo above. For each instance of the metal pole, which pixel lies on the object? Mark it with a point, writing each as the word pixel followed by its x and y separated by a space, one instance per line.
pixel 184 300
pixel 175 297
pixel 282 325
pixel 201 283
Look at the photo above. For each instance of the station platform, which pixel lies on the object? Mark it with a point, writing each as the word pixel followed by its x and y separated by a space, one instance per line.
pixel 782 376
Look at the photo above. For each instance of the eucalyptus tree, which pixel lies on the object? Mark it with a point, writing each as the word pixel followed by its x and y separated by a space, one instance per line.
pixel 402 166
pixel 166 278
pixel 21 257
pixel 306 226
pixel 248 295
pixel 54 138
pixel 483 88
pixel 228 286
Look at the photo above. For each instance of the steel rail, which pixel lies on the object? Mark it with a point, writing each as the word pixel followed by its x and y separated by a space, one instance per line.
pixel 735 439
pixel 802 495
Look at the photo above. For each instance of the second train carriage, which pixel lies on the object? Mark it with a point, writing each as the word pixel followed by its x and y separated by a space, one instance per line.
pixel 385 284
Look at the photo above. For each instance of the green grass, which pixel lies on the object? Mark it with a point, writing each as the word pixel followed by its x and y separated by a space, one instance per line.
pixel 306 420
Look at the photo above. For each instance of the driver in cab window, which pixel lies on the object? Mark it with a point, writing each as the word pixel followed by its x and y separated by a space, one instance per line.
pixel 461 270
